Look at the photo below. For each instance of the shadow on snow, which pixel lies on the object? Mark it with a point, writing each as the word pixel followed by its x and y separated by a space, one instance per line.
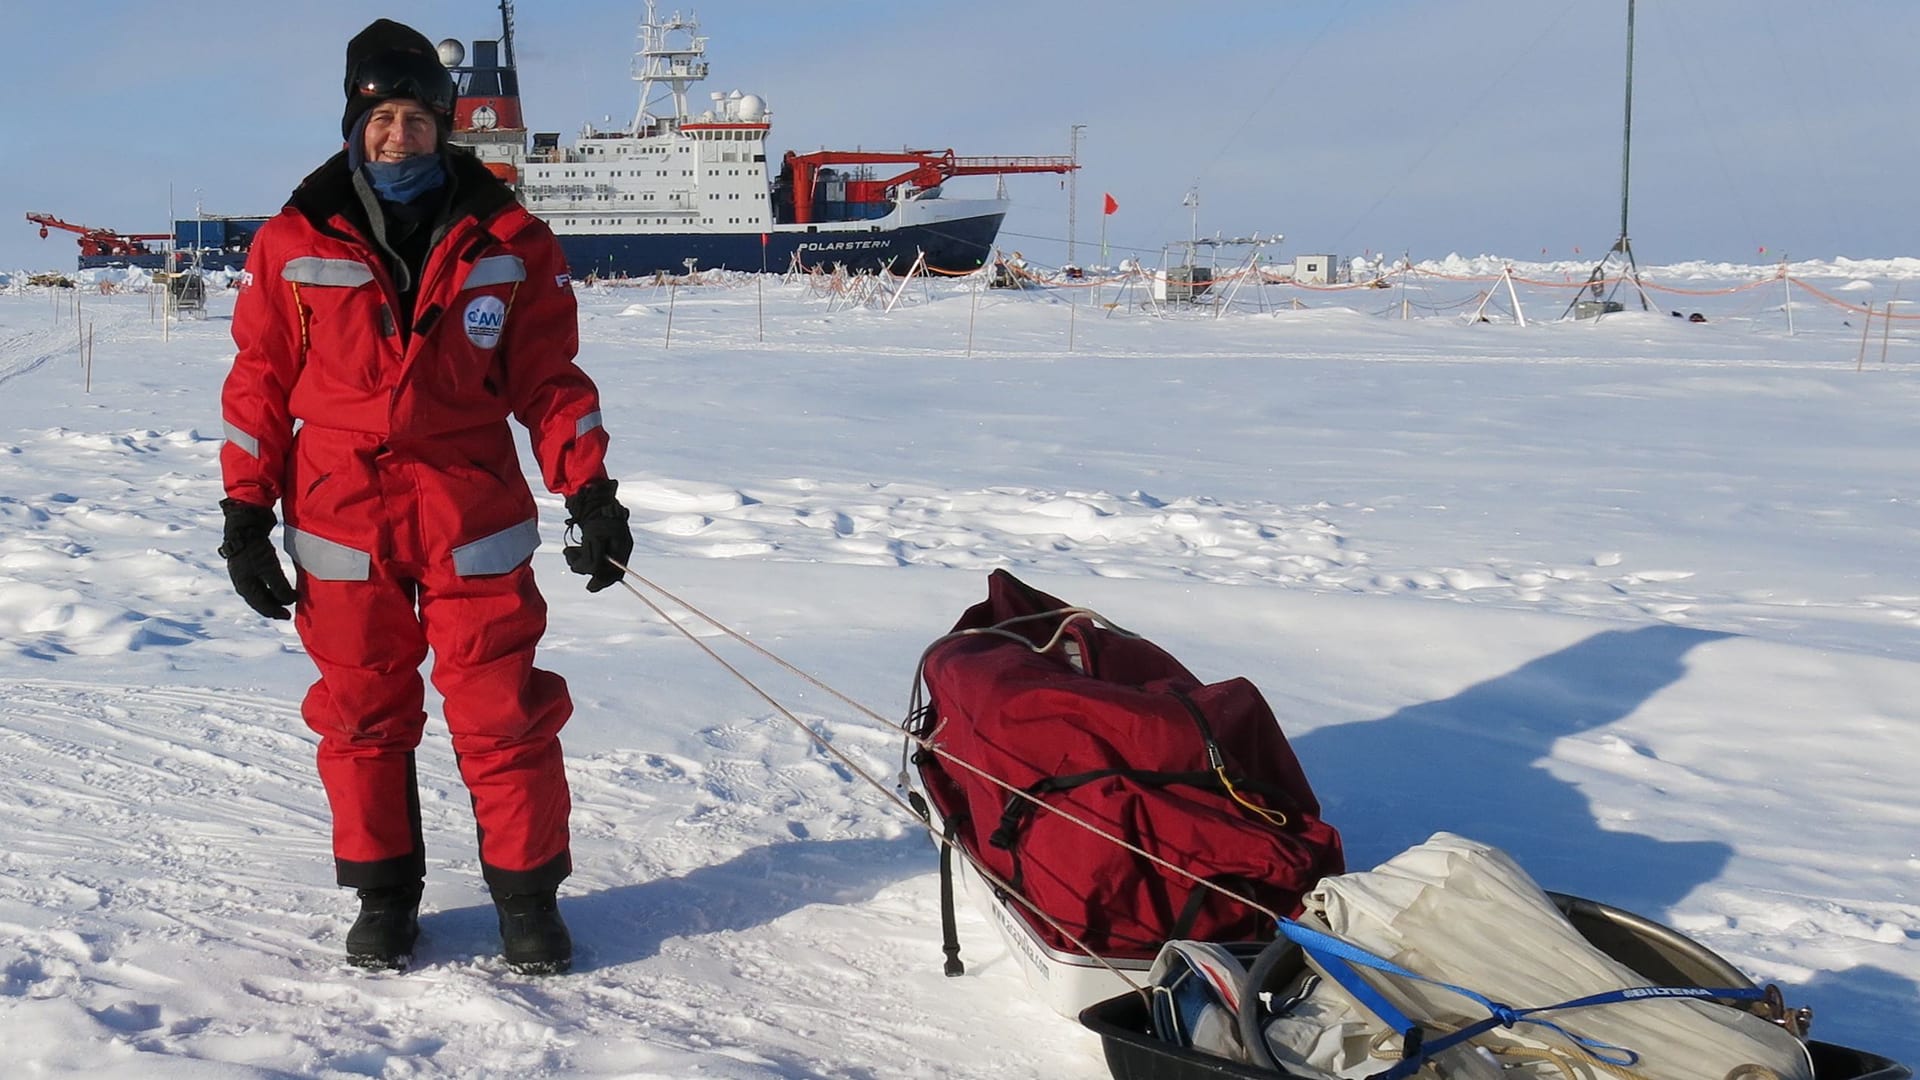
pixel 1476 764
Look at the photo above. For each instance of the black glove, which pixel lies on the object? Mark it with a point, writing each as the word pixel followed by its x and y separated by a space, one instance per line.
pixel 251 561
pixel 601 523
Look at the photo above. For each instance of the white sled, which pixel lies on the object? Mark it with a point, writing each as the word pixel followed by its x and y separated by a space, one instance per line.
pixel 1069 982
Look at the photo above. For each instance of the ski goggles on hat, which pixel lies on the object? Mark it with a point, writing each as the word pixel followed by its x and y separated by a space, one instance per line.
pixel 404 75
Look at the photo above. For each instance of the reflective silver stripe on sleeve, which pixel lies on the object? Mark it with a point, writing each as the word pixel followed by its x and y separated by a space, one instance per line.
pixel 496 270
pixel 242 440
pixel 587 423
pixel 313 270
pixel 325 560
pixel 498 553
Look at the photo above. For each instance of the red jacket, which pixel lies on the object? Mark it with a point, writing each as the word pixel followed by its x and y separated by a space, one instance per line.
pixel 493 334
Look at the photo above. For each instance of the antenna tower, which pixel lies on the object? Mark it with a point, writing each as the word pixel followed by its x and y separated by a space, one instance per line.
pixel 1073 187
pixel 1623 247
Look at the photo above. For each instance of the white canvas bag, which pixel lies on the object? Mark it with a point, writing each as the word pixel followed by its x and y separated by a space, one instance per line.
pixel 1460 912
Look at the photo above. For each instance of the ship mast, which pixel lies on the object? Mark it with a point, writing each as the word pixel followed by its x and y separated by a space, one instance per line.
pixel 506 30
pixel 664 68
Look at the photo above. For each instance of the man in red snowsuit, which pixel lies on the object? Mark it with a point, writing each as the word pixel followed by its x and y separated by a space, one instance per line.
pixel 391 318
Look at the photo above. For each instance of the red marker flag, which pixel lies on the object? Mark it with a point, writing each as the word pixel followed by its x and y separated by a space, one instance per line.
pixel 1111 205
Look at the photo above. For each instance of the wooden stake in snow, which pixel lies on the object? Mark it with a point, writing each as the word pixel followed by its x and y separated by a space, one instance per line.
pixel 1865 329
pixel 1886 326
pixel 672 287
pixel 1787 283
pixel 974 312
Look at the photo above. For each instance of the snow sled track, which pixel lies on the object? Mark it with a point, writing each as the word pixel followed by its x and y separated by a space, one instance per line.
pixel 96 781
pixel 25 353
pixel 167 909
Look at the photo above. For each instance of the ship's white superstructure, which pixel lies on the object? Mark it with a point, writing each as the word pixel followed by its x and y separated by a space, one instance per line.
pixel 676 189
pixel 669 170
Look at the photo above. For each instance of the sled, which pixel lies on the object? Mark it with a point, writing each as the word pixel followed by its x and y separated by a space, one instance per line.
pixel 1068 982
pixel 1134 1050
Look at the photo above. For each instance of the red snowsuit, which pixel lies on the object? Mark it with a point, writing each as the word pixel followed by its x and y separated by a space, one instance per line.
pixel 405 509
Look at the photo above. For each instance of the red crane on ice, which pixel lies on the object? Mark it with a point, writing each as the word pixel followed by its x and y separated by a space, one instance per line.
pixel 96 241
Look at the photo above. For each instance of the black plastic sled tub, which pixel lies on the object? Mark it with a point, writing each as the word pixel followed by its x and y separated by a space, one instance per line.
pixel 1661 954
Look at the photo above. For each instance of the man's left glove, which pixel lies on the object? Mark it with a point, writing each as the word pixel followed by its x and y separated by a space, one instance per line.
pixel 604 534
pixel 251 561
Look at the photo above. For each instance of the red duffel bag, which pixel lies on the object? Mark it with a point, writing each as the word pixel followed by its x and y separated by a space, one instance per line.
pixel 1110 728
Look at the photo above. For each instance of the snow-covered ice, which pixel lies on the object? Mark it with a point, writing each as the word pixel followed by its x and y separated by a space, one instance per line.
pixel 1635 600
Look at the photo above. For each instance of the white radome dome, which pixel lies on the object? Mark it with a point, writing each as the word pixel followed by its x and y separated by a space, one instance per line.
pixel 452 53
pixel 752 108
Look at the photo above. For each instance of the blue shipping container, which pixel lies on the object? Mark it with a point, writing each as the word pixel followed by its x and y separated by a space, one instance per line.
pixel 200 233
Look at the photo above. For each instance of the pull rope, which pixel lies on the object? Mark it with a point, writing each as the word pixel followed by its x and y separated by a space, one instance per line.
pixel 1002 885
pixel 999 629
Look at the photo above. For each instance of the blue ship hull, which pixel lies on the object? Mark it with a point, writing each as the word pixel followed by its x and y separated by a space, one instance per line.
pixel 960 245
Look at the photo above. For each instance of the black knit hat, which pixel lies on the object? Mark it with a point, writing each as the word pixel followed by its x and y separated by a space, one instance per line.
pixel 390 60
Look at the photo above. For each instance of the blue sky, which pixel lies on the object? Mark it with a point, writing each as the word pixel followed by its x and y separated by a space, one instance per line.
pixel 1467 126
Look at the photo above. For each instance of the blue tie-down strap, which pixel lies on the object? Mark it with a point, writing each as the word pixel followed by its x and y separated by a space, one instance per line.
pixel 1338 959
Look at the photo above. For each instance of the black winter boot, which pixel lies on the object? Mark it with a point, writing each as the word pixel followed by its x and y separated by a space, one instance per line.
pixel 389 924
pixel 533 938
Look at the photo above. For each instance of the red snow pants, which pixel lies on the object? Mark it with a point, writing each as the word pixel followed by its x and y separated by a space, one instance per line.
pixel 385 576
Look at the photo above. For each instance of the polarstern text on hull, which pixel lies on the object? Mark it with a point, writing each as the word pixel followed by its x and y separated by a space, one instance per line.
pixel 675 190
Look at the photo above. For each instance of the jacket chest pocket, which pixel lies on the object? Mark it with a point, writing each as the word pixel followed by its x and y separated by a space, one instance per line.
pixel 481 310
pixel 342 318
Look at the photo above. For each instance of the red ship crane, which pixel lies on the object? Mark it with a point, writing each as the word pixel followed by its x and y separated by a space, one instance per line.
pixel 94 241
pixel 930 168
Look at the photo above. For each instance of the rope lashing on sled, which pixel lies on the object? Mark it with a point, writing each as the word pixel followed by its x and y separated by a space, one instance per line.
pixel 1338 959
pixel 1073 613
pixel 854 767
pixel 1564 1060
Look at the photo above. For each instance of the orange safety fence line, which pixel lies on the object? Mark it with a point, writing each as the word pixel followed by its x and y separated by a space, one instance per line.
pixel 1644 282
pixel 1855 308
pixel 1265 278
pixel 1084 283
pixel 1339 287
pixel 1708 292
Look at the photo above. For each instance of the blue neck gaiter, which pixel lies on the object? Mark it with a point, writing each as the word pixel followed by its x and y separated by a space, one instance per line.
pixel 406 180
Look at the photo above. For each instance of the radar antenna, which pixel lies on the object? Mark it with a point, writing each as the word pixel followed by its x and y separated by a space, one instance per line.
pixel 672 57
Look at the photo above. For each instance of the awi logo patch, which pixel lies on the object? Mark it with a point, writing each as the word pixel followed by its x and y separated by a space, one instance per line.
pixel 484 319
